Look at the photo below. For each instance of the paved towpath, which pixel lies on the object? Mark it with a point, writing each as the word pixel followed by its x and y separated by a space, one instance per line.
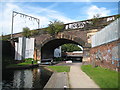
pixel 78 79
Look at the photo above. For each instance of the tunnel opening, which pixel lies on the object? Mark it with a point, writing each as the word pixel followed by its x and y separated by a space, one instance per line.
pixel 47 50
pixel 72 52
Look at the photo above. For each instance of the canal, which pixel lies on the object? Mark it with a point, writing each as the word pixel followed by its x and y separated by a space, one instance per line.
pixel 27 78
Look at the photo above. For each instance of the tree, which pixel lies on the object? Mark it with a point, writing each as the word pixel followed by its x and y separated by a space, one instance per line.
pixel 26 32
pixel 95 19
pixel 55 27
pixel 96 16
pixel 35 32
pixel 70 48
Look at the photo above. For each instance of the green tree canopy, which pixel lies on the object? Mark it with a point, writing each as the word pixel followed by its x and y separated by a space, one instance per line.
pixel 26 32
pixel 70 48
pixel 95 19
pixel 55 27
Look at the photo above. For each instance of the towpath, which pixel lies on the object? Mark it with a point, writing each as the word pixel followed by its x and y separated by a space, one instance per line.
pixel 78 79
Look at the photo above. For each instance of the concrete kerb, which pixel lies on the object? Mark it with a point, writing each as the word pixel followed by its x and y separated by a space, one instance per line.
pixel 58 80
pixel 69 81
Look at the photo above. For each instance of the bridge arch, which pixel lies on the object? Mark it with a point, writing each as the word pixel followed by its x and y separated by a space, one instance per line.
pixel 45 44
pixel 49 44
pixel 66 37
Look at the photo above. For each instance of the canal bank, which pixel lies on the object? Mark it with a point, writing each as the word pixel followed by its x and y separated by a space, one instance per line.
pixel 22 66
pixel 57 79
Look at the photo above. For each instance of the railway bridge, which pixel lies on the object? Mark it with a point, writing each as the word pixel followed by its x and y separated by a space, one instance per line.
pixel 76 33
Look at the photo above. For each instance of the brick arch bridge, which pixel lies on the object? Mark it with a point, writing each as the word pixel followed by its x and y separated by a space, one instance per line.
pixel 76 32
pixel 49 44
pixel 45 44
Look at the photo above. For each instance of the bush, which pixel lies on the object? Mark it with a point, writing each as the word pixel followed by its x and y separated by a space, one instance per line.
pixel 26 32
pixel 55 27
pixel 70 48
pixel 58 59
pixel 28 59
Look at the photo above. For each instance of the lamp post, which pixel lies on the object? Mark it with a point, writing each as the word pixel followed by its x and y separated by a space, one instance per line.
pixel 12 24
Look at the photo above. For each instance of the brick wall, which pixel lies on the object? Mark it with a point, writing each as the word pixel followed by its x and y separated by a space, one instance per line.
pixel 106 55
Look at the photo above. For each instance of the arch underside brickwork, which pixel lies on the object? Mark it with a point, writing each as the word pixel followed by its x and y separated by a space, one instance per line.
pixel 49 44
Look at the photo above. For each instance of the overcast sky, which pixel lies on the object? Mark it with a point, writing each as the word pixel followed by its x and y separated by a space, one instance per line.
pixel 47 11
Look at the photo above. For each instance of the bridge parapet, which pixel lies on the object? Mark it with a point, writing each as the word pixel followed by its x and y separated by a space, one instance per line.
pixel 84 25
pixel 91 23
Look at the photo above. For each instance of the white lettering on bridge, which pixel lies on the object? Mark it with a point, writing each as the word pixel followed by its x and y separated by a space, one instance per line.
pixel 82 24
pixel 77 25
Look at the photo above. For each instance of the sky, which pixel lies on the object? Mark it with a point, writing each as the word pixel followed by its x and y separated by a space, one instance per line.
pixel 66 12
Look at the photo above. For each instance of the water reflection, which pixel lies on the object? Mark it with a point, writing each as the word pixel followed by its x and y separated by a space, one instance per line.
pixel 29 78
pixel 23 79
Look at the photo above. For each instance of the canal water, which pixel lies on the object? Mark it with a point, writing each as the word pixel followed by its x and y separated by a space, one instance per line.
pixel 27 78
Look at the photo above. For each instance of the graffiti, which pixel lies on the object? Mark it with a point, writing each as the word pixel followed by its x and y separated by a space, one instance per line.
pixel 110 19
pixel 77 25
pixel 114 58
pixel 106 57
pixel 112 62
pixel 118 64
pixel 103 55
pixel 109 50
pixel 116 53
pixel 99 55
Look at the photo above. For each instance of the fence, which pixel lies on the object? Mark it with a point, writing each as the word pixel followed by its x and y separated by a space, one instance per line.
pixel 108 34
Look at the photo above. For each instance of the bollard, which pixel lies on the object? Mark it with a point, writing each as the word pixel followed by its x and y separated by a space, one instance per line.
pixel 65 87
pixel 32 62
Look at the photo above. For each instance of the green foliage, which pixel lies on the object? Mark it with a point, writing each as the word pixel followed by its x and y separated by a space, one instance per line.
pixel 27 62
pixel 26 32
pixel 95 19
pixel 28 59
pixel 60 68
pixel 118 16
pixel 70 48
pixel 38 32
pixel 5 37
pixel 55 27
pixel 105 78
pixel 35 32
pixel 58 59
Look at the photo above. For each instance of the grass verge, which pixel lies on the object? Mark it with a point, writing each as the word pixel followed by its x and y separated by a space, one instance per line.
pixel 103 77
pixel 59 68
pixel 27 62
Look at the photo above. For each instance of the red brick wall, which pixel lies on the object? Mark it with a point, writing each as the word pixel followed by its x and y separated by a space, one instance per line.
pixel 107 55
